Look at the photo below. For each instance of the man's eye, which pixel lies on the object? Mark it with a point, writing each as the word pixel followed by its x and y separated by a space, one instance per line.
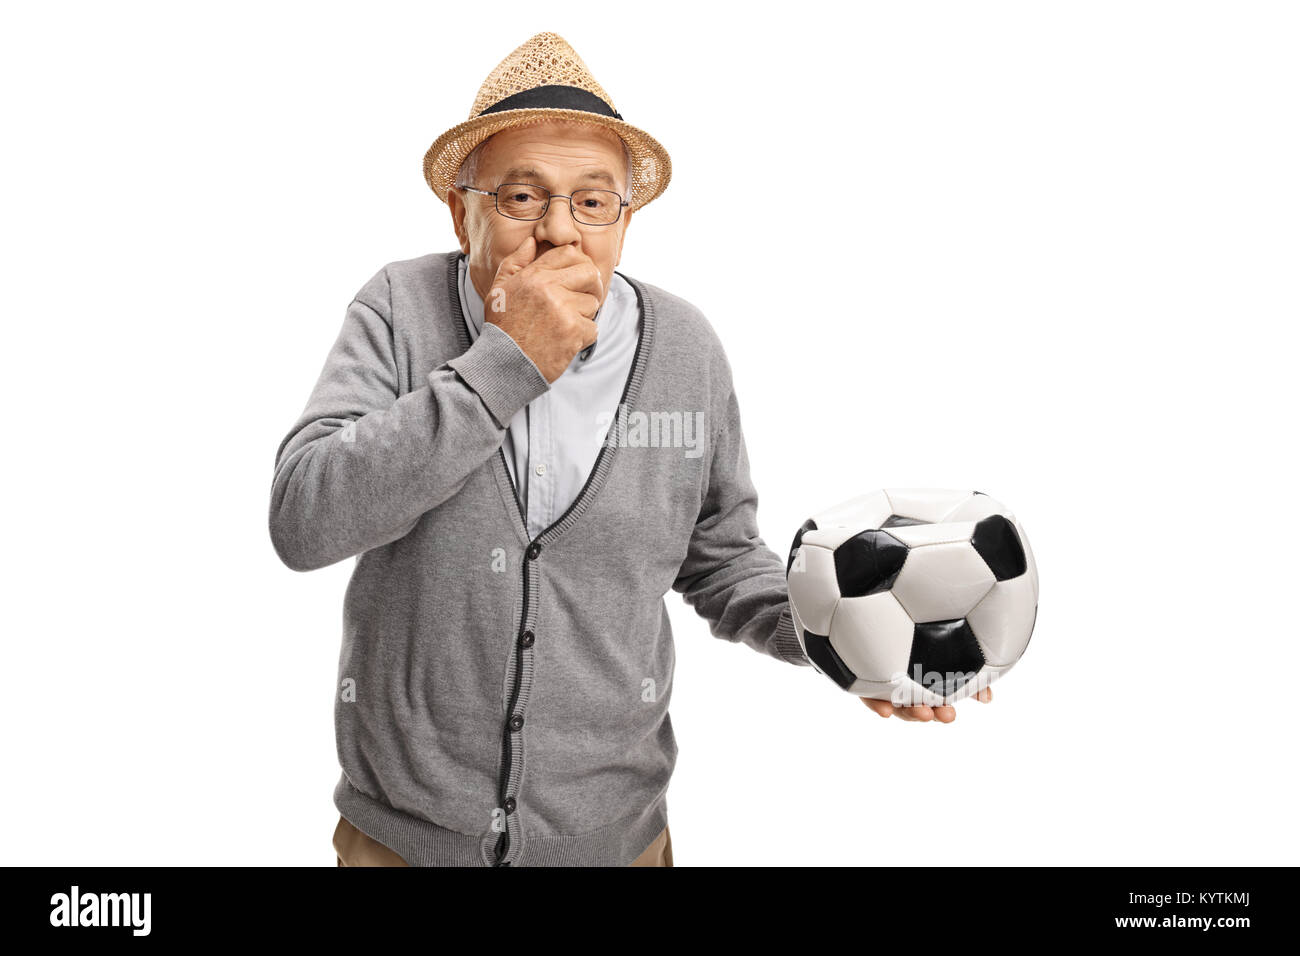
pixel 521 198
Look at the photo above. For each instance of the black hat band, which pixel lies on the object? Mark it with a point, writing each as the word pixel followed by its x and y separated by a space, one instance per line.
pixel 554 97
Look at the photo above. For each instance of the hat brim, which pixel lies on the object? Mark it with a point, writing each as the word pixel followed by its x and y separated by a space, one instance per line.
pixel 651 167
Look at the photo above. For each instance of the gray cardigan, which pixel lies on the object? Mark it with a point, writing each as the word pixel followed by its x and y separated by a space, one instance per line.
pixel 501 700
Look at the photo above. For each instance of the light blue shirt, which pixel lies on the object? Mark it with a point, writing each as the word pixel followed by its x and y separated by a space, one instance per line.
pixel 552 442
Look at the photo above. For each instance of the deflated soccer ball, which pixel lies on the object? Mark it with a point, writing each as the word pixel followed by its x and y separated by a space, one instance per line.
pixel 915 595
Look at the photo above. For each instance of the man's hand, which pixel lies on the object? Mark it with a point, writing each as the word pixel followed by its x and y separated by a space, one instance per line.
pixel 546 303
pixel 945 714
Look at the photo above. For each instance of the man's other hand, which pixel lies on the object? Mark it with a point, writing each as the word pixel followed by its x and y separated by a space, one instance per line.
pixel 945 714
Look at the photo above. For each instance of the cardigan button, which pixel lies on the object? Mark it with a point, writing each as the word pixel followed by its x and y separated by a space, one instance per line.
pixel 510 804
pixel 516 721
pixel 526 639
pixel 534 550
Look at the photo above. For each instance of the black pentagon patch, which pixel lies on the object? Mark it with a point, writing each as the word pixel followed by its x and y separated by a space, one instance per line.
pixel 828 662
pixel 945 655
pixel 898 521
pixel 808 525
pixel 998 544
pixel 868 563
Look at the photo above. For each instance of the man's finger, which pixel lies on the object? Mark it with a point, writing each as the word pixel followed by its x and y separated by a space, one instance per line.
pixel 561 257
pixel 517 260
pixel 585 304
pixel 582 277
pixel 882 707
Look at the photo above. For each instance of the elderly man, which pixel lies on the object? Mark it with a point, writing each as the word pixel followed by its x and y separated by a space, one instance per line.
pixel 525 450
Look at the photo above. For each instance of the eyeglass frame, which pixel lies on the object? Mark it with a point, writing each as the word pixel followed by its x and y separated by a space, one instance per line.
pixel 549 196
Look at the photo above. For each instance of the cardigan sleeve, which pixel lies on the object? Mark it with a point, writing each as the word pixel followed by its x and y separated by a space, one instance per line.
pixel 730 576
pixel 362 463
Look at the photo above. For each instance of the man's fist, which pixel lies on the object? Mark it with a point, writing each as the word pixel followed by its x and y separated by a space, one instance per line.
pixel 945 714
pixel 546 303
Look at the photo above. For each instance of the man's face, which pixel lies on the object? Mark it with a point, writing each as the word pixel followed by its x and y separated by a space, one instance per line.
pixel 561 157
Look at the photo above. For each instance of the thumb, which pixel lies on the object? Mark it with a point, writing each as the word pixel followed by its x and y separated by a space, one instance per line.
pixel 516 261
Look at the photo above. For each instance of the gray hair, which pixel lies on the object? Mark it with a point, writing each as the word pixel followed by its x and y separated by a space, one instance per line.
pixel 469 166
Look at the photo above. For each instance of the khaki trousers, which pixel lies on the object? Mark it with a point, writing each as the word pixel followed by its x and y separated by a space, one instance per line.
pixel 355 848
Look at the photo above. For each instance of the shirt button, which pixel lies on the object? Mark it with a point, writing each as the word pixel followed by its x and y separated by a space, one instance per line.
pixel 541 469
pixel 516 721
pixel 526 639
pixel 534 550
pixel 510 804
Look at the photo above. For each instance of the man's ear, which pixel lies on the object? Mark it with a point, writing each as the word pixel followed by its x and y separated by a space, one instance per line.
pixel 456 205
pixel 627 221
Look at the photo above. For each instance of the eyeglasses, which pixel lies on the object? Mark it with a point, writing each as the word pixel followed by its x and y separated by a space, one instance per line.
pixel 590 207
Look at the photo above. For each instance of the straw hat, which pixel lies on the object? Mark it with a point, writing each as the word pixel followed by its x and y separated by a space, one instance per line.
pixel 545 79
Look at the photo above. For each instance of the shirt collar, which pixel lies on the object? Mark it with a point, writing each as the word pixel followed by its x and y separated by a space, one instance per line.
pixel 472 304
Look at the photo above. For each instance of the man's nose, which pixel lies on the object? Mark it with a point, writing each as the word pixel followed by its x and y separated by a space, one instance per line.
pixel 557 227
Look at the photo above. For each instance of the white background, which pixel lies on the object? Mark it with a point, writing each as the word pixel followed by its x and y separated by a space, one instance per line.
pixel 1044 250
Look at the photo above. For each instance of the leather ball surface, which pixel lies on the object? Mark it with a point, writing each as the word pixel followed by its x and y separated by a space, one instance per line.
pixel 914 595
